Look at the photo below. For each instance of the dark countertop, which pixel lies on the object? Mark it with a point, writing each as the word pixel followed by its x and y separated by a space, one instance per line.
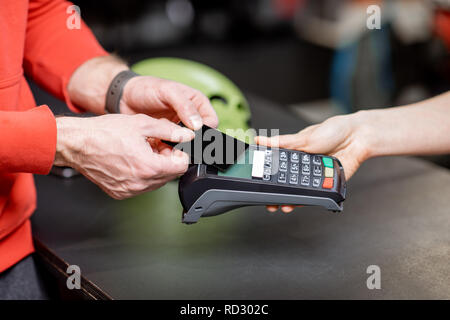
pixel 396 216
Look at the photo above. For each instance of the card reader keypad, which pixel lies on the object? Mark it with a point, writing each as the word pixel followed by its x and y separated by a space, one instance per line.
pixel 297 168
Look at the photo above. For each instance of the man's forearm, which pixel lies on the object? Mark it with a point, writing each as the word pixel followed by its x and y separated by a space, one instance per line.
pixel 422 128
pixel 88 84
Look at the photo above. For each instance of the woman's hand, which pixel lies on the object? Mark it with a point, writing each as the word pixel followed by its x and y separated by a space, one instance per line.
pixel 122 154
pixel 344 137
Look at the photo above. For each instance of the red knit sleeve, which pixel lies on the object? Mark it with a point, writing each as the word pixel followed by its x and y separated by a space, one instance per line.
pixel 27 140
pixel 53 51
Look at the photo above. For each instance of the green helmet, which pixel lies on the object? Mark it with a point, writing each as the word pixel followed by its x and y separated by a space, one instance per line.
pixel 228 101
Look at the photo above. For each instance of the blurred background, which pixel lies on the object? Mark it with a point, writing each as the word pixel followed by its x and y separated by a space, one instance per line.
pixel 313 58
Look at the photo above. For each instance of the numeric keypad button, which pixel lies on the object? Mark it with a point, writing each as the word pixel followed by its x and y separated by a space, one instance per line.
pixel 317 160
pixel 306 169
pixel 305 181
pixel 282 177
pixel 305 158
pixel 316 182
pixel 295 157
pixel 293 179
pixel 317 170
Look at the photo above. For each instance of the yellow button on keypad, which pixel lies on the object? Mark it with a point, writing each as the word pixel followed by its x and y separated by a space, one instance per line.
pixel 329 172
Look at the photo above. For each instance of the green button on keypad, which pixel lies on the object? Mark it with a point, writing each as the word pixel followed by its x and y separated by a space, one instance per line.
pixel 327 162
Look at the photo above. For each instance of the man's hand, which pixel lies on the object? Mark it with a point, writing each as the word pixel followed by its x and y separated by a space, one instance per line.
pixel 162 98
pixel 153 96
pixel 122 154
pixel 343 137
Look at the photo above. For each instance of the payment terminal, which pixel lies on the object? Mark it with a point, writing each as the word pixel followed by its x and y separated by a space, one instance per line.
pixel 261 176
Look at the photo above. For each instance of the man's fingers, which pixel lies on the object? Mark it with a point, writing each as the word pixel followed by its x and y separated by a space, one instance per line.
pixel 173 164
pixel 164 149
pixel 185 108
pixel 192 107
pixel 165 130
pixel 205 109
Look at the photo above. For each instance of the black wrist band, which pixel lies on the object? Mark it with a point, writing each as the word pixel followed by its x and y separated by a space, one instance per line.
pixel 115 90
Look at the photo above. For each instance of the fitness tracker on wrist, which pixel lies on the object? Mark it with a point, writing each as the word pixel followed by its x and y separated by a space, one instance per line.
pixel 115 90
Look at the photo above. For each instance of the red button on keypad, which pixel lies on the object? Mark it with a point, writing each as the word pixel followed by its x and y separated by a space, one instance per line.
pixel 327 183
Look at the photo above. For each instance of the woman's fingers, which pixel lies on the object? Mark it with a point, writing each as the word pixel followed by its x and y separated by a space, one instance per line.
pixel 285 208
pixel 297 140
pixel 290 141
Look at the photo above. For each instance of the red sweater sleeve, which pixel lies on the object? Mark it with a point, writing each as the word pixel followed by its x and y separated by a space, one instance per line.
pixel 52 50
pixel 32 136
